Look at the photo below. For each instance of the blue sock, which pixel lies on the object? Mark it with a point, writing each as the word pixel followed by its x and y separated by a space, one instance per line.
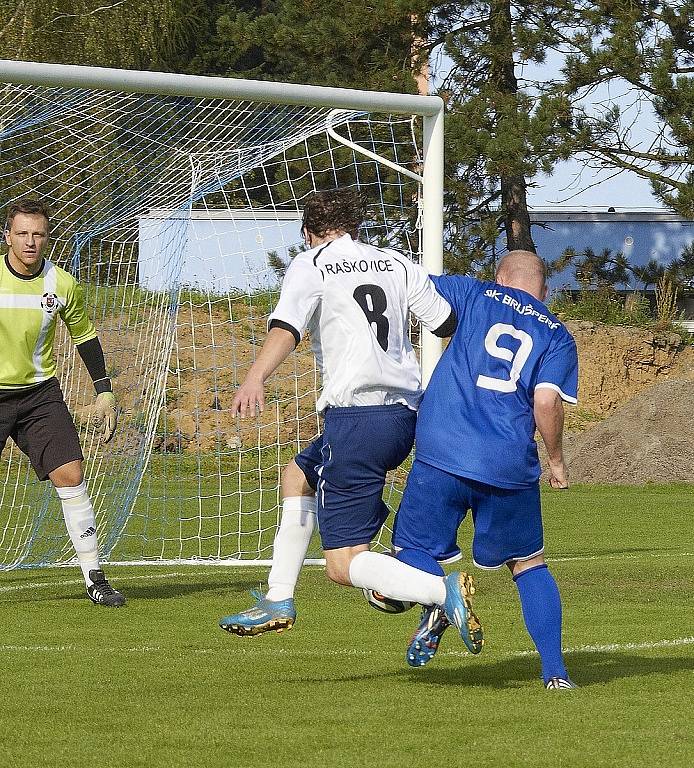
pixel 422 560
pixel 541 604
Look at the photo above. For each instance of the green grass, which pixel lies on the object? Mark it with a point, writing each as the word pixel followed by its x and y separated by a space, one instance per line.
pixel 158 684
pixel 104 301
pixel 605 305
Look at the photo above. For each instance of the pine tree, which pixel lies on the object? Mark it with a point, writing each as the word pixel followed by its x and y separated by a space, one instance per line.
pixel 649 46
pixel 681 269
pixel 367 44
pixel 158 34
pixel 502 129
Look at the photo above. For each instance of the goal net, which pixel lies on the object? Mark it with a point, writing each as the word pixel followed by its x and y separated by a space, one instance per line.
pixel 178 212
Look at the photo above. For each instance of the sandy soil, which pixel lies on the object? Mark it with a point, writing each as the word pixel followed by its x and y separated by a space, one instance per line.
pixel 632 423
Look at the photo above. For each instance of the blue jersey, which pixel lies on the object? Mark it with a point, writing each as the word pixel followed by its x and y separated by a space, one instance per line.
pixel 476 419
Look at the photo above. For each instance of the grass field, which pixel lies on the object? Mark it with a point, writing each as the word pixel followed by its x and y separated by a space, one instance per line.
pixel 158 684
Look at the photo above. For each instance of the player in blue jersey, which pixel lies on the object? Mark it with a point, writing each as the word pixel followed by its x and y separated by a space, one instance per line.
pixel 353 299
pixel 508 369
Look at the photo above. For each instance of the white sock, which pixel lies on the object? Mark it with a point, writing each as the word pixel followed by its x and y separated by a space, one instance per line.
pixel 291 544
pixel 392 578
pixel 81 526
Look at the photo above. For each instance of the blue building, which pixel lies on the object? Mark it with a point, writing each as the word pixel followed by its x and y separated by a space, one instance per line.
pixel 641 236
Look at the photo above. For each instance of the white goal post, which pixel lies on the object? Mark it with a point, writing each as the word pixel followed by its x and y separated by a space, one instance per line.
pixel 176 201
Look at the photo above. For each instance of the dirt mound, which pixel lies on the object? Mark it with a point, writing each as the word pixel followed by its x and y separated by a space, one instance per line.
pixel 616 363
pixel 636 399
pixel 649 439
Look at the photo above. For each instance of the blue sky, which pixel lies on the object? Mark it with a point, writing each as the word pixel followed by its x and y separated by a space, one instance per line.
pixel 573 185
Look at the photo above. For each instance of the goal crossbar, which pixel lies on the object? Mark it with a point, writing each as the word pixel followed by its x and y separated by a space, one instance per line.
pixel 172 84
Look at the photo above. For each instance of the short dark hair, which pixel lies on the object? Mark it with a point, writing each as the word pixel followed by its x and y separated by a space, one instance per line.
pixel 341 210
pixel 27 205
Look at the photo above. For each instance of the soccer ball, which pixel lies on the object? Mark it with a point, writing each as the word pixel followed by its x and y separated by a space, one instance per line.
pixel 386 604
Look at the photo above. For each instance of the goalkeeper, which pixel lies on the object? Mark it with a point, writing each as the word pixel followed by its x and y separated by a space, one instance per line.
pixel 353 299
pixel 33 294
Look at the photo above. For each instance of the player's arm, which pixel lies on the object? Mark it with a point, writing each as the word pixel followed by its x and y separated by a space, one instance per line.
pixel 83 334
pixel 105 412
pixel 427 304
pixel 556 384
pixel 447 327
pixel 549 418
pixel 299 297
pixel 92 355
pixel 279 343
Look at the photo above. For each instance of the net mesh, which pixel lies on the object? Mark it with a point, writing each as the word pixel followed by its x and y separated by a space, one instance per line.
pixel 178 216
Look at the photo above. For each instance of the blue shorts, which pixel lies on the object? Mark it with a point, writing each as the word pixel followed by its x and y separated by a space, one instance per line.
pixel 347 466
pixel 507 521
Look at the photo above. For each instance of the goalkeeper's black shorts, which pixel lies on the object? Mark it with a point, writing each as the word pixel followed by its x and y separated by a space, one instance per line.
pixel 38 420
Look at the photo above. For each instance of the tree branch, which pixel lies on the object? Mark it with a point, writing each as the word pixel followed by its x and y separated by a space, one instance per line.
pixel 480 206
pixel 82 15
pixel 613 157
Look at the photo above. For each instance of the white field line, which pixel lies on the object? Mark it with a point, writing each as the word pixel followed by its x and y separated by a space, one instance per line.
pixel 609 648
pixel 294 653
pixel 212 567
pixel 72 582
pixel 624 556
pixel 321 561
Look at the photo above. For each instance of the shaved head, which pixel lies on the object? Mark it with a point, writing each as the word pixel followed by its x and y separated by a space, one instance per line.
pixel 524 270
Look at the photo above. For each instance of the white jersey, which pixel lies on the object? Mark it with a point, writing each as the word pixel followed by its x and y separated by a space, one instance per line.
pixel 353 300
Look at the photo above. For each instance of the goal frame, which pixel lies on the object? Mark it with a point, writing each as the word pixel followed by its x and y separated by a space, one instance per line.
pixel 429 108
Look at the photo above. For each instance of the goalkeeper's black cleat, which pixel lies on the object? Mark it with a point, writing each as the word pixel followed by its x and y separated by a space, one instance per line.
pixel 100 592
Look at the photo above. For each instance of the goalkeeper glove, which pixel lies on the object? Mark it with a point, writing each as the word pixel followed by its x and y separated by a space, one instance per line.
pixel 105 413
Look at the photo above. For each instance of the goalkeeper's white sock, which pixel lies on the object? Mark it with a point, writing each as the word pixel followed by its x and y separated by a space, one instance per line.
pixel 81 526
pixel 390 577
pixel 291 544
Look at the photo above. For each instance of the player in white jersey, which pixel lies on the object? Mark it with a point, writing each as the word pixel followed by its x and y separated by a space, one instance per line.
pixel 353 299
pixel 33 294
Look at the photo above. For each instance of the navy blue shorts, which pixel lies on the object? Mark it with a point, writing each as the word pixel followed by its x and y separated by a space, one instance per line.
pixel 347 466
pixel 507 521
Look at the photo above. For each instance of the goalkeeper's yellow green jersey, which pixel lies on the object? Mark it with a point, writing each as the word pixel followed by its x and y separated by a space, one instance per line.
pixel 29 308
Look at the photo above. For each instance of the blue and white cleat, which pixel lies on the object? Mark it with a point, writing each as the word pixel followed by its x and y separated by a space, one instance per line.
pixel 425 641
pixel 557 683
pixel 265 616
pixel 459 588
